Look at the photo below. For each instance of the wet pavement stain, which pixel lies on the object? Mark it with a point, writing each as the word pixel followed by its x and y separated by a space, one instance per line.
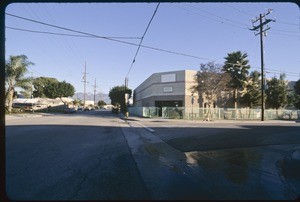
pixel 291 169
pixel 251 173
pixel 153 150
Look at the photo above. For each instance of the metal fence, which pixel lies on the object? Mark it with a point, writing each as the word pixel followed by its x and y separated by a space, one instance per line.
pixel 214 113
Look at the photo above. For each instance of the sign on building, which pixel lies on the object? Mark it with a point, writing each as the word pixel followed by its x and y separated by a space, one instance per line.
pixel 168 89
pixel 168 78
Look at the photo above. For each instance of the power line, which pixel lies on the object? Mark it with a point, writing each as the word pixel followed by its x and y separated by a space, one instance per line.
pixel 249 14
pixel 218 16
pixel 236 22
pixel 55 40
pixel 143 38
pixel 62 34
pixel 287 23
pixel 111 39
pixel 71 30
pixel 279 30
pixel 219 21
pixel 268 69
pixel 244 12
pixel 115 40
pixel 282 34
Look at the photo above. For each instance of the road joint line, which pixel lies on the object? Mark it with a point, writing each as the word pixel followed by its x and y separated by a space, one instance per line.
pixel 149 129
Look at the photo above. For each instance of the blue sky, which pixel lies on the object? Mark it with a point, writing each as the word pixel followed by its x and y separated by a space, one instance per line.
pixel 206 30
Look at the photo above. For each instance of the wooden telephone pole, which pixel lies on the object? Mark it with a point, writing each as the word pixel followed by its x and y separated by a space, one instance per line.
pixel 84 84
pixel 95 88
pixel 262 32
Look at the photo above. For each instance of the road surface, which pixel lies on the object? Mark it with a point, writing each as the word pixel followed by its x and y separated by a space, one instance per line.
pixel 97 155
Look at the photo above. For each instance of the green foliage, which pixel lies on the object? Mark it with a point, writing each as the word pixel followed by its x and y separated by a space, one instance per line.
pixel 277 92
pixel 296 100
pixel 59 90
pixel 101 103
pixel 40 84
pixel 252 97
pixel 26 94
pixel 297 87
pixel 117 96
pixel 15 70
pixel 77 102
pixel 236 65
pixel 211 81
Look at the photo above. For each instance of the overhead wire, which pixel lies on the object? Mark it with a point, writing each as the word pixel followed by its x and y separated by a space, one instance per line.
pixel 273 31
pixel 233 21
pixel 243 12
pixel 236 22
pixel 115 40
pixel 62 34
pixel 219 21
pixel 142 39
pixel 55 40
pixel 249 14
pixel 107 38
pixel 43 50
pixel 66 43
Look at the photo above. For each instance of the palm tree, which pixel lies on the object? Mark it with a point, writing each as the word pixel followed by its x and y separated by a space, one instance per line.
pixel 236 65
pixel 15 70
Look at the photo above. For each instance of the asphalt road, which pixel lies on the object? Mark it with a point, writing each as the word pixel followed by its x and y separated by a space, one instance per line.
pixel 97 156
pixel 233 160
pixel 81 156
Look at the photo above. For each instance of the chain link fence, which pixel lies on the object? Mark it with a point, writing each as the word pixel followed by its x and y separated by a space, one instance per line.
pixel 214 113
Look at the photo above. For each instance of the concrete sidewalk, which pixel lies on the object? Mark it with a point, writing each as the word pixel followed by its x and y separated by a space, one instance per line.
pixel 267 172
pixel 163 168
pixel 159 119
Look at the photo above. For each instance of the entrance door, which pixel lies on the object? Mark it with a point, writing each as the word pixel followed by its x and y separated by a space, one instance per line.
pixel 168 103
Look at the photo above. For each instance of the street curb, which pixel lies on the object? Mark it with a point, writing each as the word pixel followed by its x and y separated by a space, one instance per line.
pixel 136 118
pixel 19 116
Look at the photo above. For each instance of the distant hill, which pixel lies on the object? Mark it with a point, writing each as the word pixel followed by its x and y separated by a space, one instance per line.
pixel 90 96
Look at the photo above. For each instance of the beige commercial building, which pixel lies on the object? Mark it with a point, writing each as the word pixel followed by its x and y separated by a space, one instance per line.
pixel 167 89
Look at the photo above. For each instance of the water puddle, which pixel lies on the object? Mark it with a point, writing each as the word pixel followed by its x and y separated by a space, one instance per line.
pixel 249 173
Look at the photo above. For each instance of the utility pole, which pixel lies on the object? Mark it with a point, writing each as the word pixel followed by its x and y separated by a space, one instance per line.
pixel 126 82
pixel 126 94
pixel 31 93
pixel 84 84
pixel 262 32
pixel 95 87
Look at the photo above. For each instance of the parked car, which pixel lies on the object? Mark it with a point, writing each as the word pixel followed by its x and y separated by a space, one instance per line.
pixel 69 110
pixel 87 109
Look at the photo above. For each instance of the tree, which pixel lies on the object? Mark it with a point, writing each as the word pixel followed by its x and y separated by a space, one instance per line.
pixel 40 84
pixel 236 65
pixel 117 96
pixel 15 70
pixel 59 90
pixel 297 94
pixel 252 96
pixel 77 102
pixel 25 93
pixel 211 82
pixel 101 103
pixel 277 92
